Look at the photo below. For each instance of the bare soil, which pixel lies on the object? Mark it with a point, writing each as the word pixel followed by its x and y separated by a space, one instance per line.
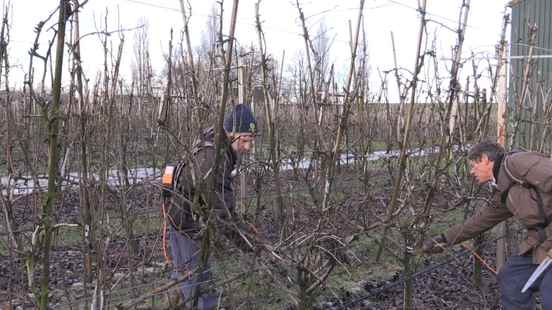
pixel 445 281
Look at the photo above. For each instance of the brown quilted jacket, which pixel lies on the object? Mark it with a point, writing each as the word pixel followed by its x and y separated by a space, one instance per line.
pixel 192 185
pixel 516 170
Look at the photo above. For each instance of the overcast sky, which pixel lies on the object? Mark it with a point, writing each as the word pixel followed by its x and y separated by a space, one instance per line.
pixel 280 22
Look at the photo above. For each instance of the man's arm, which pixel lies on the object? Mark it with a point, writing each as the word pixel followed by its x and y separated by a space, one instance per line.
pixel 483 220
pixel 202 170
pixel 222 211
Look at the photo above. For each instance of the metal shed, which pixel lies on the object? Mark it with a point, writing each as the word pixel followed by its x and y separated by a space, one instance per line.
pixel 528 14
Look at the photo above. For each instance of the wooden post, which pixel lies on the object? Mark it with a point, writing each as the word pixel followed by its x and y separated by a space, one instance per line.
pixel 241 96
pixel 241 82
pixel 501 118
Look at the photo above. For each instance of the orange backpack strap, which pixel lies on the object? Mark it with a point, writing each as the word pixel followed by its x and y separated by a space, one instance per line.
pixel 170 178
pixel 169 184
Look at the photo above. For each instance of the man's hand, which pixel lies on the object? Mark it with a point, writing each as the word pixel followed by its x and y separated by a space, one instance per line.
pixel 246 237
pixel 434 245
pixel 258 239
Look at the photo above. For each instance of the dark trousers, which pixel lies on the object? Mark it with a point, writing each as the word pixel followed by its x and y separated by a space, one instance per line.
pixel 513 276
pixel 185 258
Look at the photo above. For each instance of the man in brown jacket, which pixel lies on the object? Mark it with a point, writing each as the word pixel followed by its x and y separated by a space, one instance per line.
pixel 522 184
pixel 187 225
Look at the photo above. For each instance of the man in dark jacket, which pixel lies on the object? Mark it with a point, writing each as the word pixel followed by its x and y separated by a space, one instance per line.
pixel 188 212
pixel 522 184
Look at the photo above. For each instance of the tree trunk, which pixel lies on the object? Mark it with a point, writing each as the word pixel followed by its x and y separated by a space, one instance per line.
pixel 51 117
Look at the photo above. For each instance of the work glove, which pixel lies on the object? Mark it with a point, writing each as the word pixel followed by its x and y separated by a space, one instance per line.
pixel 259 239
pixel 434 245
pixel 246 237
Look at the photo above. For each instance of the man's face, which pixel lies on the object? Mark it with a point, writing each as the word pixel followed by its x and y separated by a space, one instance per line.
pixel 242 142
pixel 482 169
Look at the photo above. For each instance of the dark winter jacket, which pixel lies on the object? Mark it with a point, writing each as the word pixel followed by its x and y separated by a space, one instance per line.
pixel 516 171
pixel 188 212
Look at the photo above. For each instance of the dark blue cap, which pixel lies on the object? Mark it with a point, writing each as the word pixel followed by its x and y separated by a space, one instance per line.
pixel 240 119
